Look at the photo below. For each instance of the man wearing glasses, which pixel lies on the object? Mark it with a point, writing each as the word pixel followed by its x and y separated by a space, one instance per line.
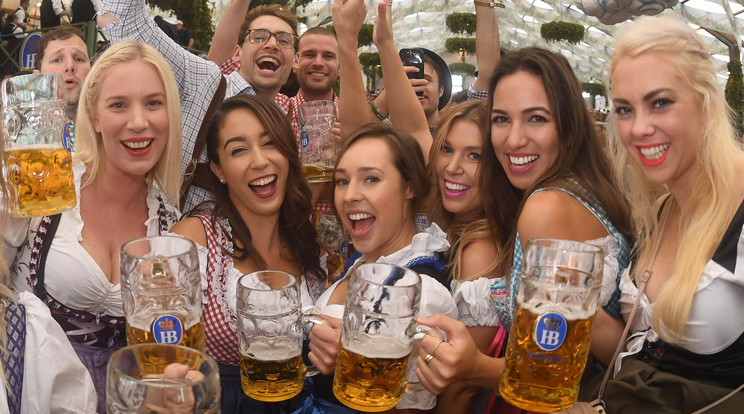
pixel 265 51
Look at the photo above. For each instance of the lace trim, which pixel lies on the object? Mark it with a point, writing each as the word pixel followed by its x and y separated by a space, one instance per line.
pixel 219 265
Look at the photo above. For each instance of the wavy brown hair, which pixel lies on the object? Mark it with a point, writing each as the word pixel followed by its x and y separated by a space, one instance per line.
pixel 582 155
pixel 295 228
pixel 461 234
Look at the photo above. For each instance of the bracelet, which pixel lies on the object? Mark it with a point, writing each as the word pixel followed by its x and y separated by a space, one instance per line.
pixel 490 4
pixel 374 109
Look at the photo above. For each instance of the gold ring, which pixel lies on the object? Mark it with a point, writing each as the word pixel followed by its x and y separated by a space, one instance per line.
pixel 428 358
pixel 434 352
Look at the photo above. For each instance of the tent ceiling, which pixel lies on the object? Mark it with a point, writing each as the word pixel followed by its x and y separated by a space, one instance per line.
pixel 422 23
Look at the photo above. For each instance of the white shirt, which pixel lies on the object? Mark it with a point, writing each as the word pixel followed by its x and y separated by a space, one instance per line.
pixel 54 379
pixel 72 275
pixel 435 298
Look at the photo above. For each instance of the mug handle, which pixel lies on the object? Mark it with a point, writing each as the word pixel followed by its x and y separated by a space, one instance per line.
pixel 314 319
pixel 418 331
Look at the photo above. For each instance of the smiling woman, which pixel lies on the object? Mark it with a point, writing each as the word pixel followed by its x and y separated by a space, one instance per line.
pixel 380 182
pixel 126 174
pixel 259 220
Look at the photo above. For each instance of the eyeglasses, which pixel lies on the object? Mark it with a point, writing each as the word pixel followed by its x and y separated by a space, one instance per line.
pixel 261 36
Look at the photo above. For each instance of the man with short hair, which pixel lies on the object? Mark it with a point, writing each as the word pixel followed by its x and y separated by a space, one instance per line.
pixel 317 70
pixel 183 35
pixel 22 16
pixel 265 49
pixel 63 50
pixel 434 89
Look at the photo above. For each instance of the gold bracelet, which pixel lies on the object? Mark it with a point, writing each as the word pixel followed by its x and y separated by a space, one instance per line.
pixel 490 4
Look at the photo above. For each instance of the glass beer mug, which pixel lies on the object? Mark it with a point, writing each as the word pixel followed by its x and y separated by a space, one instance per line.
pixel 317 149
pixel 37 162
pixel 136 381
pixel 270 335
pixel 548 345
pixel 160 285
pixel 377 336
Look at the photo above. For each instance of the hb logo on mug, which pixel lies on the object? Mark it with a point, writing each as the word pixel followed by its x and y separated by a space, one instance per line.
pixel 167 329
pixel 550 331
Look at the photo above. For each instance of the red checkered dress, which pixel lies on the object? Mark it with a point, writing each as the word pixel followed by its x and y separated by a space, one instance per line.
pixel 220 321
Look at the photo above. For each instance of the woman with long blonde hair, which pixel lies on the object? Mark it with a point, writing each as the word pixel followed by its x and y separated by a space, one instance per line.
pixel 127 177
pixel 676 152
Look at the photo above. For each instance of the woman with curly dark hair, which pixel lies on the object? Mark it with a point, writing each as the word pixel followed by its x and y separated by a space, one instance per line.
pixel 259 220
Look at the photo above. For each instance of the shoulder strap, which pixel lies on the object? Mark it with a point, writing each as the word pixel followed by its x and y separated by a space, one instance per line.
pixel 51 230
pixel 13 359
pixel 192 175
pixel 641 286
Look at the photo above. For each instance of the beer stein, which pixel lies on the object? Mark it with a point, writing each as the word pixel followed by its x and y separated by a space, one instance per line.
pixel 377 336
pixel 270 335
pixel 548 344
pixel 317 149
pixel 160 285
pixel 37 162
pixel 137 382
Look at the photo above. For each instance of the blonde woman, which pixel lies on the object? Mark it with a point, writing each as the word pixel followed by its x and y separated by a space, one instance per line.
pixel 672 131
pixel 127 176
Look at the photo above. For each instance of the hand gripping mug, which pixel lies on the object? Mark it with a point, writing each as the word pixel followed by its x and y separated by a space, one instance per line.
pixel 317 149
pixel 270 335
pixel 377 336
pixel 138 381
pixel 548 343
pixel 37 162
pixel 160 285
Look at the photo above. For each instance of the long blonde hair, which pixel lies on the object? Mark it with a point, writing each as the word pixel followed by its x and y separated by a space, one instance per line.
pixel 167 171
pixel 705 218
pixel 460 235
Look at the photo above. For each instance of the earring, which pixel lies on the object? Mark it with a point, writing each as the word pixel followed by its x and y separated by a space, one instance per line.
pixel 222 180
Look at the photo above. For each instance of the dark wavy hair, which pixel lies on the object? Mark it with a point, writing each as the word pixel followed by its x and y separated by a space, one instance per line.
pixel 295 228
pixel 581 156
pixel 407 158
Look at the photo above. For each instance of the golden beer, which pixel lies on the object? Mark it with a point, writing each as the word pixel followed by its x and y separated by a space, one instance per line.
pixel 371 374
pixel 318 173
pixel 193 336
pixel 40 180
pixel 271 373
pixel 543 380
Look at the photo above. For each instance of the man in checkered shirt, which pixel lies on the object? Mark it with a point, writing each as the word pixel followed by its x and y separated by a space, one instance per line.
pixel 266 50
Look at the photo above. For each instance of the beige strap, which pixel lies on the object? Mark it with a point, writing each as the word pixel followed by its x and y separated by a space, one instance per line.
pixel 642 285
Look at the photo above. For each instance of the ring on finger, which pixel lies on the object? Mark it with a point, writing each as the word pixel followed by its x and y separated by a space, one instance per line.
pixel 428 358
pixel 434 352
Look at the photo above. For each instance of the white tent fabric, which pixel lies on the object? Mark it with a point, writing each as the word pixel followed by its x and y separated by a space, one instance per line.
pixel 422 23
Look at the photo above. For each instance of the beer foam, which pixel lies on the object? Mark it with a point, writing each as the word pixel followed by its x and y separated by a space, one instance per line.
pixel 377 347
pixel 37 147
pixel 270 349
pixel 569 311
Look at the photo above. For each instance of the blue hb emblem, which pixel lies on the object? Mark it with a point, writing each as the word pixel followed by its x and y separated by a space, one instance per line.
pixel 304 139
pixel 66 141
pixel 167 329
pixel 550 331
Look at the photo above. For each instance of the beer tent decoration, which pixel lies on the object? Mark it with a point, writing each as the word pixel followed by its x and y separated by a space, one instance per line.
pixel 422 23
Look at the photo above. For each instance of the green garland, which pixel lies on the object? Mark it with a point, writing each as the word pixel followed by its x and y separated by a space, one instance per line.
pixel 461 22
pixel 460 44
pixel 556 31
pixel 462 68
pixel 365 33
pixel 370 63
pixel 594 89
pixel 735 94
